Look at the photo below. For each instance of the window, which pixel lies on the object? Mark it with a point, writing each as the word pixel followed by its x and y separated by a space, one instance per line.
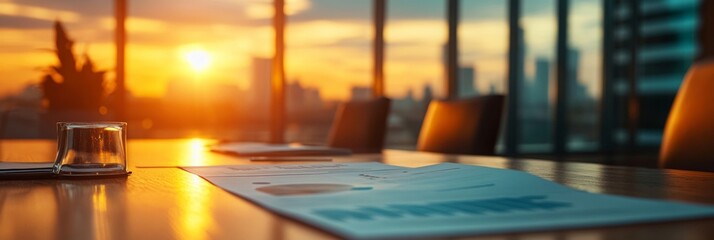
pixel 199 69
pixel 27 57
pixel 483 46
pixel 328 61
pixel 415 38
pixel 536 74
pixel 584 74
pixel 203 69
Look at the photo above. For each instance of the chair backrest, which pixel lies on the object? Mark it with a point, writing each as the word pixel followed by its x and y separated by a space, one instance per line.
pixel 465 126
pixel 688 141
pixel 360 126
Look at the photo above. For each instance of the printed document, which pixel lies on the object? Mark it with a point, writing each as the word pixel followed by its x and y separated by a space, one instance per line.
pixel 374 200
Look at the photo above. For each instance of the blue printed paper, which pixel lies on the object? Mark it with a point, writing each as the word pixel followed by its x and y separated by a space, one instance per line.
pixel 374 200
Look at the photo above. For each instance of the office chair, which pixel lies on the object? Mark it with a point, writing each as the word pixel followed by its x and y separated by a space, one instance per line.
pixel 360 126
pixel 467 126
pixel 688 141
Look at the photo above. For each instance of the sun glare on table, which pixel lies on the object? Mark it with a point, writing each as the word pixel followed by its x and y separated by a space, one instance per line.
pixel 198 59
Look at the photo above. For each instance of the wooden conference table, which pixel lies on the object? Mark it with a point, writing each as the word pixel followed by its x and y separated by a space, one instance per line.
pixel 159 201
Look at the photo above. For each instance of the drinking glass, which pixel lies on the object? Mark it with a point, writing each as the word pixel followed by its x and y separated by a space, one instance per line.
pixel 90 148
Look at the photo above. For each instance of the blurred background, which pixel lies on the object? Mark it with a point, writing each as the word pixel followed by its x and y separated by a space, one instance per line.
pixel 203 69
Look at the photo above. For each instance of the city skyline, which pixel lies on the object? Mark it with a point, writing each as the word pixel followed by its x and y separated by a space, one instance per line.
pixel 231 47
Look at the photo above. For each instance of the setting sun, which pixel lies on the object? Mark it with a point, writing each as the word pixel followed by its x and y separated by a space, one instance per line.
pixel 198 59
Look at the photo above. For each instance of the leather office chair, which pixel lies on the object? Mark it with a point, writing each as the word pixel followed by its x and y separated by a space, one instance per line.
pixel 467 126
pixel 688 141
pixel 360 126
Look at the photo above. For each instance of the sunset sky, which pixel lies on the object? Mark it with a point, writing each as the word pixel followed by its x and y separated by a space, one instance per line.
pixel 328 42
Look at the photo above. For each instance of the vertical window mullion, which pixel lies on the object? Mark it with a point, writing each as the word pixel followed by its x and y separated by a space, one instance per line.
pixel 452 59
pixel 560 128
pixel 277 92
pixel 514 50
pixel 380 9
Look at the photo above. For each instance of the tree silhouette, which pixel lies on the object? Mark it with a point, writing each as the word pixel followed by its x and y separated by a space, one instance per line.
pixel 69 88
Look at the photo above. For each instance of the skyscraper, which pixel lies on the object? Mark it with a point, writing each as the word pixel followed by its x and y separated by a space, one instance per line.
pixel 581 110
pixel 540 89
pixel 577 91
pixel 427 95
pixel 260 85
pixel 360 93
pixel 666 47
pixel 535 109
pixel 467 77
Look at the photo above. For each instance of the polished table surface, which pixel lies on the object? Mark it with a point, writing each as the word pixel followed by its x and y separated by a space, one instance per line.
pixel 160 201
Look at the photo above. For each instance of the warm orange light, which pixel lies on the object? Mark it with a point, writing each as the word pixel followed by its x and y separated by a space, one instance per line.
pixel 198 59
pixel 196 152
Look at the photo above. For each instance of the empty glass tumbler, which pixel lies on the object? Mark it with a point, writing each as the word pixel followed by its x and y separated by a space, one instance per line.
pixel 91 148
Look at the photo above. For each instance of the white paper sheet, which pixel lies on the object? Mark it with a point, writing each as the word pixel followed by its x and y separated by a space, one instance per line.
pixel 373 200
pixel 252 149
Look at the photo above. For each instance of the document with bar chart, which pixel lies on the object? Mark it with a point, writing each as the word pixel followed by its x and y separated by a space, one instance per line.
pixel 374 200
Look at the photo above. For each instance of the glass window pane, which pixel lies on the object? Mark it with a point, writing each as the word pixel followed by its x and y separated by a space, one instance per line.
pixel 328 61
pixel 483 48
pixel 584 74
pixel 199 69
pixel 415 36
pixel 28 56
pixel 538 24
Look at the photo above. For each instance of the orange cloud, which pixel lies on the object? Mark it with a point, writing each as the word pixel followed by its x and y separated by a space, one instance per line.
pixel 16 9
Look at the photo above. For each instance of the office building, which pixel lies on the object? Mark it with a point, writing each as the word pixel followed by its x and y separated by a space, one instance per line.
pixel 665 48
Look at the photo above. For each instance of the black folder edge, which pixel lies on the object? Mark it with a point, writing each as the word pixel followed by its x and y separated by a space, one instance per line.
pixel 46 173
